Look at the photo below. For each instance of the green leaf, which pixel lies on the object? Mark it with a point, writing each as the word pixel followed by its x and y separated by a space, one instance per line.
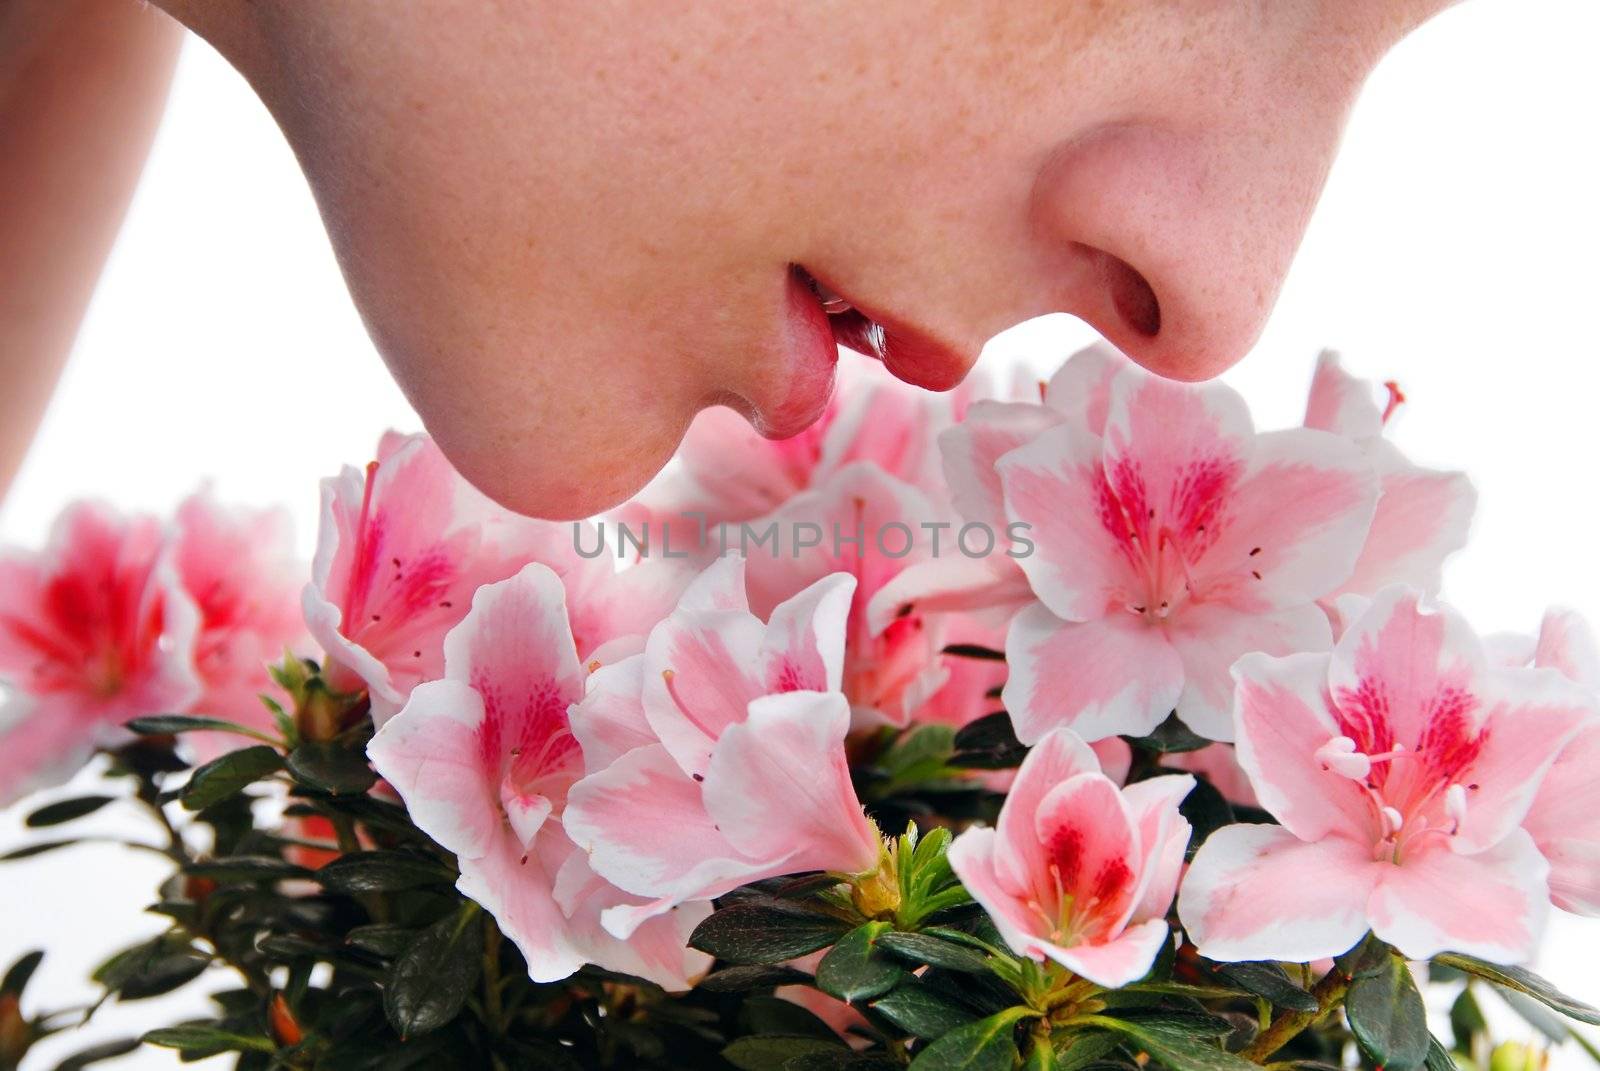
pixel 750 977
pixel 766 1014
pixel 17 975
pixel 331 767
pixel 919 948
pixel 1041 1056
pixel 1077 1051
pixel 1206 811
pixel 1466 1019
pixel 1439 1058
pixel 54 814
pixel 381 939
pixel 855 969
pixel 223 777
pixel 986 1045
pixel 771 1052
pixel 382 871
pixel 1169 737
pixel 1267 979
pixel 921 1010
pixel 247 868
pixel 989 743
pixel 106 1050
pixel 28 851
pixel 1181 1021
pixel 1175 1050
pixel 210 1040
pixel 1523 981
pixel 173 724
pixel 428 985
pixel 766 931
pixel 152 968
pixel 973 650
pixel 1387 1016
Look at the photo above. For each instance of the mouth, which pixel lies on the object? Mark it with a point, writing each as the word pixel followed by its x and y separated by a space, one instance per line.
pixel 906 351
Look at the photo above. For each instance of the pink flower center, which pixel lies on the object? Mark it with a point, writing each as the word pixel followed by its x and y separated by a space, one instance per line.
pixel 1077 905
pixel 1416 794
pixel 1162 543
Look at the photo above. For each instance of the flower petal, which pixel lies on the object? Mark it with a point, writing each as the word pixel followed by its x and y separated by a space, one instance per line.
pixel 804 644
pixel 1257 892
pixel 514 887
pixel 609 721
pixel 432 753
pixel 699 678
pixel 1210 638
pixel 1282 719
pixel 1058 757
pixel 971 448
pixel 1565 823
pixel 1114 676
pixel 1164 838
pixel 778 786
pixel 1120 961
pixel 1493 904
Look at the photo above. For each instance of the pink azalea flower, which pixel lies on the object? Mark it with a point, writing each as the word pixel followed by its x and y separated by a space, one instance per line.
pixel 94 630
pixel 1077 395
pixel 728 472
pixel 1166 548
pixel 484 759
pixel 740 771
pixel 1077 870
pixel 1401 766
pixel 401 550
pixel 1565 817
pixel 240 569
pixel 1423 514
pixel 891 670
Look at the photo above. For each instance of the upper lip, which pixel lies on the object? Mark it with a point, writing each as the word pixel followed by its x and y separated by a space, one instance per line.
pixel 906 350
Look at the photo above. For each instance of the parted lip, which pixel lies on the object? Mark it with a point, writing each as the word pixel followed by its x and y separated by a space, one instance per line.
pixel 906 350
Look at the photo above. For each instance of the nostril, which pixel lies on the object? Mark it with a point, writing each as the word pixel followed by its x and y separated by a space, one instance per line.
pixel 1131 295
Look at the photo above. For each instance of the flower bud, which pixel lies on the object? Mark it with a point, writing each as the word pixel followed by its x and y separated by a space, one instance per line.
pixel 1517 1056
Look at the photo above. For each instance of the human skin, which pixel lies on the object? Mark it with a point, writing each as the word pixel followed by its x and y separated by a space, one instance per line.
pixel 571 224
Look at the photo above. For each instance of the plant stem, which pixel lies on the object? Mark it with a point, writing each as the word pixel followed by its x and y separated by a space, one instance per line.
pixel 1330 994
pixel 493 1008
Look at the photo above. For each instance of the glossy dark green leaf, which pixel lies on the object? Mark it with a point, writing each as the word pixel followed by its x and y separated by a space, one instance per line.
pixel 382 871
pixel 920 948
pixel 152 968
pixel 173 724
pixel 855 969
pixel 752 976
pixel 197 1038
pixel 1387 1016
pixel 990 743
pixel 1439 1058
pixel 222 777
pixel 1186 1022
pixel 54 814
pixel 921 1010
pixel 1523 981
pixel 766 931
pixel 332 767
pixel 247 868
pixel 1078 1051
pixel 1170 737
pixel 1177 1051
pixel 106 1050
pixel 765 1014
pixel 1269 980
pixel 18 974
pixel 28 851
pixel 1466 1019
pixel 381 939
pixel 986 1045
pixel 771 1052
pixel 430 982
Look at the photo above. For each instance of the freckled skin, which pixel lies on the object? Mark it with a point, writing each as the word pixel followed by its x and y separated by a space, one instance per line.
pixel 568 224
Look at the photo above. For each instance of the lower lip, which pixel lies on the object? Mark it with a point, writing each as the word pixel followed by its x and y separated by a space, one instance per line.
pixel 906 352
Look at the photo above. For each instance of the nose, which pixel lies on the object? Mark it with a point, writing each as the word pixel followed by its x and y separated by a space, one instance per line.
pixel 1175 246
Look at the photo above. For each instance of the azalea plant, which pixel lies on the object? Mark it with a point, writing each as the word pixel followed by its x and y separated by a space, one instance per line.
pixel 1075 726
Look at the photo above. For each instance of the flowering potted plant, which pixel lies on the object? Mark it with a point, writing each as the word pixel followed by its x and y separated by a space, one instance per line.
pixel 1079 727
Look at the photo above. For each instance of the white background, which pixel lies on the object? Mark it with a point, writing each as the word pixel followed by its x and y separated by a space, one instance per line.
pixel 1454 250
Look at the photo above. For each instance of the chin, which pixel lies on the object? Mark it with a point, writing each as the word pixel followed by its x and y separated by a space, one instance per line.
pixel 580 475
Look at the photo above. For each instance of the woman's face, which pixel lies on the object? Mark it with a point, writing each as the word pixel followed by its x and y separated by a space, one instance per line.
pixel 571 224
